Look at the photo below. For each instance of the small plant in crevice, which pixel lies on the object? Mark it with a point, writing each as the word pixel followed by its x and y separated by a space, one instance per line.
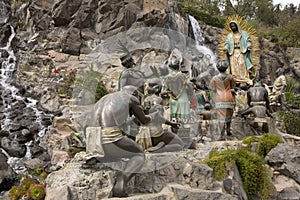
pixel 31 187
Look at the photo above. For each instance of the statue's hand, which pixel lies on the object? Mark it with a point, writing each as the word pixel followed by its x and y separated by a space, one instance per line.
pixel 175 125
pixel 154 71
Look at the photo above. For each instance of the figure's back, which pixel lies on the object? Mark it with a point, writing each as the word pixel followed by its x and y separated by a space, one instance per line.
pixel 113 109
pixel 257 94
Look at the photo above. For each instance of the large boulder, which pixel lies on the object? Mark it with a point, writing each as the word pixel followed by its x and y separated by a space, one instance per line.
pixel 286 160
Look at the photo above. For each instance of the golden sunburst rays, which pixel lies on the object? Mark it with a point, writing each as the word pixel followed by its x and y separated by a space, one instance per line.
pixel 244 25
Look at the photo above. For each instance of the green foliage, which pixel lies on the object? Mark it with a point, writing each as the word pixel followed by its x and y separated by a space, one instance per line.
pixel 267 142
pixel 36 192
pixel 90 80
pixel 72 151
pixel 15 193
pixel 254 175
pixel 68 82
pixel 31 188
pixel 28 188
pixel 292 98
pixel 291 122
pixel 203 15
pixel 249 140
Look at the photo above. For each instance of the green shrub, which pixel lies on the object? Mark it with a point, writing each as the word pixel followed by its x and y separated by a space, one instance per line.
pixel 291 122
pixel 249 140
pixel 292 88
pixel 29 188
pixel 36 192
pixel 256 181
pixel 267 142
pixel 217 21
pixel 90 80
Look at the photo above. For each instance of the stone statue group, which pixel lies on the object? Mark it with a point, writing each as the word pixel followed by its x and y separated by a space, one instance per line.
pixel 133 120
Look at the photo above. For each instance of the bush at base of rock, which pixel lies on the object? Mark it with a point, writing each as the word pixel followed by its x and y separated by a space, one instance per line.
pixel 265 143
pixel 291 122
pixel 256 181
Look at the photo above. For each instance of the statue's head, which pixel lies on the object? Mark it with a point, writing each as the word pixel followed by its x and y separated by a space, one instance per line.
pixel 279 72
pixel 222 66
pixel 175 59
pixel 127 61
pixel 155 86
pixel 233 26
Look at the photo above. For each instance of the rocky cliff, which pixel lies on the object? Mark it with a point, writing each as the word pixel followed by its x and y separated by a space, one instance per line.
pixel 57 41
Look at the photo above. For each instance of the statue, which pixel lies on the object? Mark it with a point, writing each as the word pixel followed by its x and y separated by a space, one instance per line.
pixel 277 96
pixel 258 95
pixel 162 140
pixel 111 114
pixel 258 107
pixel 179 88
pixel 131 76
pixel 222 91
pixel 238 45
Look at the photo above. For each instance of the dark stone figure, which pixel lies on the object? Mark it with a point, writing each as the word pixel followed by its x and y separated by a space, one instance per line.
pixel 258 95
pixel 131 76
pixel 111 113
pixel 258 101
pixel 162 140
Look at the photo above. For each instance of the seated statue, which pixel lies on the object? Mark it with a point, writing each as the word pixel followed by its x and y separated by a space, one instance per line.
pixel 277 96
pixel 111 114
pixel 258 102
pixel 162 140
pixel 258 95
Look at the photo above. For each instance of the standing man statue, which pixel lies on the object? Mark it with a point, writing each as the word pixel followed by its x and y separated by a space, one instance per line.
pixel 111 114
pixel 222 90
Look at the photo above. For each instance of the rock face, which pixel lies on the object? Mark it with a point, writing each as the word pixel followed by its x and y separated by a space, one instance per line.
pixel 286 160
pixel 96 182
pixel 56 39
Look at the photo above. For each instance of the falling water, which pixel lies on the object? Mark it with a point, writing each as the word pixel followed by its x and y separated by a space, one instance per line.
pixel 197 31
pixel 199 40
pixel 11 92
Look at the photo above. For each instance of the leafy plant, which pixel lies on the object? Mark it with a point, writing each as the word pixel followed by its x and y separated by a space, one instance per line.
pixel 265 143
pixel 291 122
pixel 36 192
pixel 292 98
pixel 254 175
pixel 90 80
pixel 15 193
pixel 30 188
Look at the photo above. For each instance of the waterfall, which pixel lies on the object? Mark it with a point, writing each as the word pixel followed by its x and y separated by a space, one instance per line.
pixel 9 95
pixel 199 41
